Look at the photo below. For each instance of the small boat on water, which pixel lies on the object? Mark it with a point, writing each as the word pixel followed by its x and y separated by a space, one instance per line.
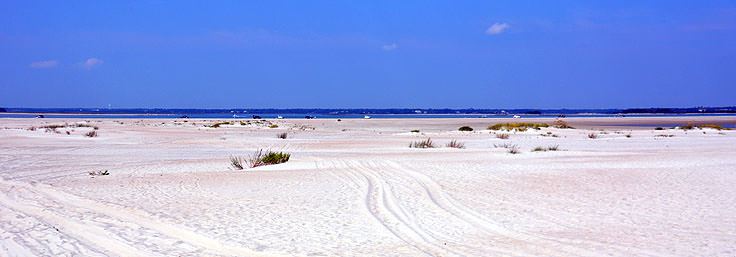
pixel 309 117
pixel 517 117
pixel 279 117
pixel 235 115
pixel 366 117
pixel 256 117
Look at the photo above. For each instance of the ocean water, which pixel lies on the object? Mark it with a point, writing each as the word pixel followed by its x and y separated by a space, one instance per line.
pixel 326 116
pixel 670 125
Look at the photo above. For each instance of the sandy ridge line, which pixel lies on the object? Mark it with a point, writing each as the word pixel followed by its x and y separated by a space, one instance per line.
pixel 137 217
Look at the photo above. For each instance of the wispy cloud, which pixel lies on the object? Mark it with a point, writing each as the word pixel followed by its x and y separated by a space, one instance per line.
pixel 43 64
pixel 390 47
pixel 92 62
pixel 497 28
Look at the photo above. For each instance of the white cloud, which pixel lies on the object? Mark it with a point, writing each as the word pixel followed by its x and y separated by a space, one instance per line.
pixel 43 64
pixel 390 47
pixel 92 62
pixel 497 28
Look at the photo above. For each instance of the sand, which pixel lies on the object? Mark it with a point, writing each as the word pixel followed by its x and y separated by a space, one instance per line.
pixel 355 188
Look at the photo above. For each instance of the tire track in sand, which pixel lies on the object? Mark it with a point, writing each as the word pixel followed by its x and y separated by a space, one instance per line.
pixel 44 195
pixel 444 201
pixel 392 214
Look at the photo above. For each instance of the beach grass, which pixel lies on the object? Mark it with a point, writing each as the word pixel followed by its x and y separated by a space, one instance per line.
pixel 455 144
pixel 427 143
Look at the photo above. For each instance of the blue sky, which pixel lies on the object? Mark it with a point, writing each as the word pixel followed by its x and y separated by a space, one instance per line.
pixel 367 54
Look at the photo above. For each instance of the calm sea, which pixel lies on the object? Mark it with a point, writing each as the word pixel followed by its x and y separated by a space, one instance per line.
pixel 326 116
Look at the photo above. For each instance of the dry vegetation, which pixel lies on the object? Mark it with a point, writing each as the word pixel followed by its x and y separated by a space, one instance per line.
pixel 455 144
pixel 427 143
pixel 258 158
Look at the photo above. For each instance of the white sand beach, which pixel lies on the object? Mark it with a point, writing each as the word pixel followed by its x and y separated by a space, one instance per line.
pixel 355 188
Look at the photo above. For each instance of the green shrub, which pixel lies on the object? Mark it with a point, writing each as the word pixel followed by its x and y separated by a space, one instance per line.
pixel 273 126
pixel 275 158
pixel 659 128
pixel 714 126
pixel 522 126
pixel 415 131
pixel 465 128
pixel 217 125
pixel 259 158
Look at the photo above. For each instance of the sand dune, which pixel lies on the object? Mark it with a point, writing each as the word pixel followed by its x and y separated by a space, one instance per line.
pixel 355 188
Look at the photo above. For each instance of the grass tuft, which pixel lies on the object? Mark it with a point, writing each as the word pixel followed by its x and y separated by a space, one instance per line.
pixel 217 125
pixel 415 131
pixel 714 126
pixel 455 144
pixel 592 136
pixel 427 143
pixel 544 149
pixel 99 173
pixel 465 128
pixel 273 126
pixel 561 124
pixel 259 158
pixel 521 126
pixel 236 162
pixel 502 136
pixel 505 145
pixel 514 150
pixel 91 134
pixel 282 135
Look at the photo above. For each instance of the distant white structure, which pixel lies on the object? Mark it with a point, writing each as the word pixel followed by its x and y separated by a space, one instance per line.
pixel 279 117
pixel 366 117
pixel 517 117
